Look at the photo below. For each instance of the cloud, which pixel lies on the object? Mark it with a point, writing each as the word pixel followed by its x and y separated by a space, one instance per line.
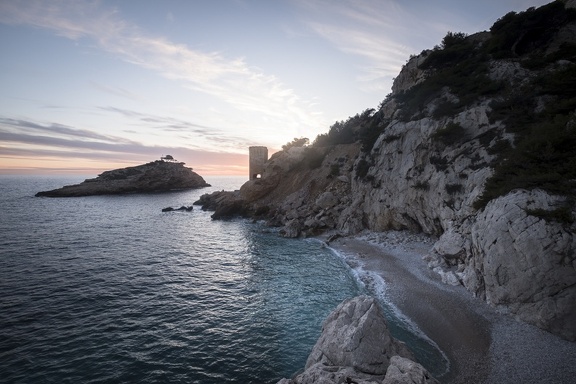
pixel 229 79
pixel 61 136
pixel 8 125
pixel 120 92
pixel 368 29
pixel 204 136
pixel 27 139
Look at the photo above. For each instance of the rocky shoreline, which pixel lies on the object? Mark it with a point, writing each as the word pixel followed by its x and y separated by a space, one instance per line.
pixel 482 345
pixel 156 176
pixel 474 146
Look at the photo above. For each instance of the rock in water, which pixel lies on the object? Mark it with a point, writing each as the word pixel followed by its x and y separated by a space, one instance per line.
pixel 356 347
pixel 356 335
pixel 157 176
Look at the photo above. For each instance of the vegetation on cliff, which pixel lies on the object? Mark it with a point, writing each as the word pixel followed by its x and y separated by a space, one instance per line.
pixel 538 109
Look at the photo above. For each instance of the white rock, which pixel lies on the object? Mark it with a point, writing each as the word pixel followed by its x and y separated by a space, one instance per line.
pixel 526 262
pixel 405 371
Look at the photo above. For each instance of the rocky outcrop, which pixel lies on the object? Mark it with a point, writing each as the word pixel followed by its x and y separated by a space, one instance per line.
pixel 527 263
pixel 157 176
pixel 356 347
pixel 182 208
pixel 411 74
pixel 225 204
pixel 431 162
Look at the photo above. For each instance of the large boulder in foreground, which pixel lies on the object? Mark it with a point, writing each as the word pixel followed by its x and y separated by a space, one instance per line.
pixel 356 346
pixel 157 176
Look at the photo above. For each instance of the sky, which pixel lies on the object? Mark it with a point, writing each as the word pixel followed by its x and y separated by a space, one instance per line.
pixel 93 85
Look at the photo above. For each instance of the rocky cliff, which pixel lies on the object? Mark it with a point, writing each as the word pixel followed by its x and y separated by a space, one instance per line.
pixel 157 176
pixel 476 145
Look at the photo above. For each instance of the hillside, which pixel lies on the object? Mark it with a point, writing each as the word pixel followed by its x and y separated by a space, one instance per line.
pixel 476 144
pixel 156 176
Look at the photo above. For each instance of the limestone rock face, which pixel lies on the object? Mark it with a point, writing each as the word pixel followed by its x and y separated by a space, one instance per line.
pixel 355 345
pixel 527 264
pixel 158 176
pixel 410 74
pixel 424 184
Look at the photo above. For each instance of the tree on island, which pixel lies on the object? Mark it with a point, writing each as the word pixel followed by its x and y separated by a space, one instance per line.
pixel 168 158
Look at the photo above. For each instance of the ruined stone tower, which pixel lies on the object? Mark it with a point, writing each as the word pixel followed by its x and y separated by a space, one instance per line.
pixel 258 156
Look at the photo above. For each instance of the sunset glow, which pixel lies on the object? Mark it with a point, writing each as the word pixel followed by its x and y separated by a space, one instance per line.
pixel 89 85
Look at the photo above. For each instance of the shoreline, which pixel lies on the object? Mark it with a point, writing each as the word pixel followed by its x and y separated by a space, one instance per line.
pixel 481 344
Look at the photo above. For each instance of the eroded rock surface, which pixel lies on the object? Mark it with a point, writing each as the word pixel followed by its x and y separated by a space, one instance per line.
pixel 356 346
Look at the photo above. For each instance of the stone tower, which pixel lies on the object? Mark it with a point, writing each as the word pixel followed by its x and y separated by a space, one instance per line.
pixel 258 156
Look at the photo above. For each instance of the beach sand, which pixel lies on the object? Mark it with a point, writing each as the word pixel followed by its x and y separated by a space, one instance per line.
pixel 482 345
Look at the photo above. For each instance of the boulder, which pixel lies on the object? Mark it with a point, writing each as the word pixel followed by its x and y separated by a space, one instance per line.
pixel 229 209
pixel 326 200
pixel 451 245
pixel 324 374
pixel 405 371
pixel 356 335
pixel 527 263
pixel 292 229
pixel 356 347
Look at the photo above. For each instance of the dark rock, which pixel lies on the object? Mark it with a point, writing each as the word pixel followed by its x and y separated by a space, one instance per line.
pixel 182 208
pixel 224 204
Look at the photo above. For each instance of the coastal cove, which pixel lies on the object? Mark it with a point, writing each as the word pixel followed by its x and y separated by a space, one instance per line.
pixel 110 288
pixel 482 344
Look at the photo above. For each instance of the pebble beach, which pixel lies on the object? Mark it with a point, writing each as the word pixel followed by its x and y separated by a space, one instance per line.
pixel 481 344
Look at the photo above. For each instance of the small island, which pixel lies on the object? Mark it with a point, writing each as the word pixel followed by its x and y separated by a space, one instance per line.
pixel 161 175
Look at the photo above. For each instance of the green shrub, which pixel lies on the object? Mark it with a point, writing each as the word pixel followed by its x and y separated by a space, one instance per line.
pixel 346 132
pixel 517 34
pixel 450 134
pixel 440 163
pixel 453 189
pixel 313 158
pixel 455 47
pixel 501 146
pixel 297 142
pixel 544 151
pixel 334 170
pixel 362 168
pixel 446 108
pixel 391 138
pixel 545 158
pixel 370 131
pixel 421 185
pixel 561 215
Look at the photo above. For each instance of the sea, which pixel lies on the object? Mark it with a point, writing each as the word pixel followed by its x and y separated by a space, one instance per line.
pixel 110 289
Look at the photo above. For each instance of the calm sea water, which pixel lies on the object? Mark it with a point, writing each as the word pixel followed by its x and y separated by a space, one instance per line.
pixel 111 289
